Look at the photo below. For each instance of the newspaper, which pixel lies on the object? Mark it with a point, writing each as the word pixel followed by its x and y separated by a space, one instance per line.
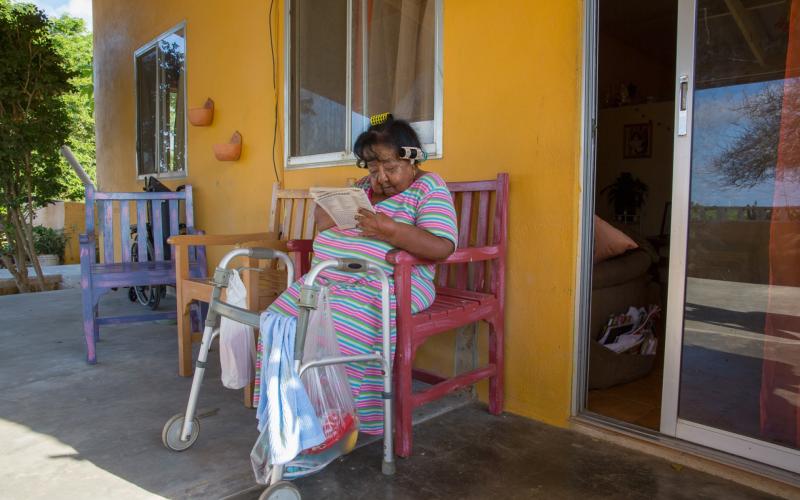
pixel 342 204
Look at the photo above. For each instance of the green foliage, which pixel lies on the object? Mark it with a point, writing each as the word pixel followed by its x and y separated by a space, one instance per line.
pixel 34 122
pixel 627 194
pixel 48 241
pixel 74 43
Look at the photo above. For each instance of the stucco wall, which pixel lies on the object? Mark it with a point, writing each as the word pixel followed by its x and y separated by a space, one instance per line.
pixel 511 103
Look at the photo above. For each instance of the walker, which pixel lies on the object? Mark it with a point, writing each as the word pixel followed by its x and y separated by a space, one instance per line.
pixel 181 431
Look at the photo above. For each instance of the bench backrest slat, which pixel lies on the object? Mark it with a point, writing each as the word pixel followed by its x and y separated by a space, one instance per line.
pixel 173 218
pixel 141 229
pixel 464 226
pixel 158 228
pixel 125 224
pixel 482 236
pixel 189 206
pixel 105 214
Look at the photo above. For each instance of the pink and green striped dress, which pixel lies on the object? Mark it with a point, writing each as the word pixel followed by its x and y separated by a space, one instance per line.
pixel 356 300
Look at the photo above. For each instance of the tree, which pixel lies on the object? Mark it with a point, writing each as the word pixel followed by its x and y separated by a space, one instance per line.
pixel 771 121
pixel 34 123
pixel 74 43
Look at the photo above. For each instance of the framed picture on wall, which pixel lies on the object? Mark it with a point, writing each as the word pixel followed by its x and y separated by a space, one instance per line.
pixel 637 140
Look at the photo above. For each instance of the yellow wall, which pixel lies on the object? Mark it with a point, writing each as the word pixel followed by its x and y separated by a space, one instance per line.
pixel 511 103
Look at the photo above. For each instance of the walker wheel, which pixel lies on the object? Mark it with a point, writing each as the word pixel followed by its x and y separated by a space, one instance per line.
pixel 282 490
pixel 171 435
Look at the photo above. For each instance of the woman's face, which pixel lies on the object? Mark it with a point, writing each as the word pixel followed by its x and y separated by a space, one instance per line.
pixel 389 174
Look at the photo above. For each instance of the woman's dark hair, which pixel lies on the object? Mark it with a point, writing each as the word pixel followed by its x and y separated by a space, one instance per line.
pixel 393 133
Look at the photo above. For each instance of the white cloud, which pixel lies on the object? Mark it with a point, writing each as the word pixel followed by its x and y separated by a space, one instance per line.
pixel 77 8
pixel 74 8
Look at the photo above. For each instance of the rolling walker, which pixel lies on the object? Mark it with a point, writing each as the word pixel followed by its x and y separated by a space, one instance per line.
pixel 181 431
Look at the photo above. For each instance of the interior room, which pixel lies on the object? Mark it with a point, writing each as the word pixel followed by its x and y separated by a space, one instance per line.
pixel 633 189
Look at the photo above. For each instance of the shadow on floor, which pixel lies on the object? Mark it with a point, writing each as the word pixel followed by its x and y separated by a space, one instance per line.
pixel 69 430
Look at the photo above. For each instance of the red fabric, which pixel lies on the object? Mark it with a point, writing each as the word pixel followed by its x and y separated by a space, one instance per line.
pixel 780 381
pixel 334 427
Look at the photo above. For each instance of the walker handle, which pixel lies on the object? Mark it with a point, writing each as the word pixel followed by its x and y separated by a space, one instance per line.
pixel 261 253
pixel 351 265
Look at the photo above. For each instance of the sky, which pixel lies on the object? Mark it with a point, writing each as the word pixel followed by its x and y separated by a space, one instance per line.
pixel 75 8
pixel 718 122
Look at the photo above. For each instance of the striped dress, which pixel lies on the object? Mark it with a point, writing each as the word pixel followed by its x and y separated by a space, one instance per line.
pixel 355 298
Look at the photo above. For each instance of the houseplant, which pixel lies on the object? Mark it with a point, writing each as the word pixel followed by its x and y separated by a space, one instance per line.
pixel 49 245
pixel 627 194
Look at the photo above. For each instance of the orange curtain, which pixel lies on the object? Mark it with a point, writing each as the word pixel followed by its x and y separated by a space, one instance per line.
pixel 780 382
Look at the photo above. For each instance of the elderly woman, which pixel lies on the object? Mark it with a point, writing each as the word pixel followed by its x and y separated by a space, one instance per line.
pixel 414 212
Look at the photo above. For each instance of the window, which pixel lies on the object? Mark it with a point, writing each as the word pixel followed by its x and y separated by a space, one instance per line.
pixel 350 59
pixel 160 68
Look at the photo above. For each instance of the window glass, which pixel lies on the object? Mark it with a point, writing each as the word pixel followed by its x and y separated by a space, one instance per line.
pixel 146 111
pixel 161 127
pixel 319 77
pixel 392 57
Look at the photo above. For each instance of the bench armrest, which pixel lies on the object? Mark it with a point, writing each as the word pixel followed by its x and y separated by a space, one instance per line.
pixel 86 238
pixel 300 245
pixel 460 256
pixel 269 240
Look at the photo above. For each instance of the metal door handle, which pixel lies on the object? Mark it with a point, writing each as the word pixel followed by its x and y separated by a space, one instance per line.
pixel 683 107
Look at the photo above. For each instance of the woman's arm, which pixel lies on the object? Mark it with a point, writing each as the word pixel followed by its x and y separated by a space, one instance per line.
pixel 412 239
pixel 322 220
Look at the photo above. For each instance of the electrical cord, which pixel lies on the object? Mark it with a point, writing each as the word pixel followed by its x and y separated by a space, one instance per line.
pixel 275 91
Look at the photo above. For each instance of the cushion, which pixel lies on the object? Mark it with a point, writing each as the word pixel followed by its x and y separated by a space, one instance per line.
pixel 620 269
pixel 609 241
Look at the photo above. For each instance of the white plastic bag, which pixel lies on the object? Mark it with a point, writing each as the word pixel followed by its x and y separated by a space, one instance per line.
pixel 329 392
pixel 327 386
pixel 237 350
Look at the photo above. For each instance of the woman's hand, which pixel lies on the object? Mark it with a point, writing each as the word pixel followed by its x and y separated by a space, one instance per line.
pixel 322 219
pixel 377 225
pixel 412 239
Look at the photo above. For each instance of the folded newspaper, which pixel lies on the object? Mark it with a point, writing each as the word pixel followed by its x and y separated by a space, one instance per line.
pixel 342 204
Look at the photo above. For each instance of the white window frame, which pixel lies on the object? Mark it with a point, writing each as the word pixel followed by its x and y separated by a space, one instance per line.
pixel 347 157
pixel 138 52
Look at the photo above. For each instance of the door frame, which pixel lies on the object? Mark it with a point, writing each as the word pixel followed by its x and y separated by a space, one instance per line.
pixel 583 274
pixel 720 446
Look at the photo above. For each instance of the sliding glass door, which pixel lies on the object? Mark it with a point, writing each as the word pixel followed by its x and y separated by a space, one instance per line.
pixel 732 368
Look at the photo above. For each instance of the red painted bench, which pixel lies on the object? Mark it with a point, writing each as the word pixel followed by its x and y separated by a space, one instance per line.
pixel 153 266
pixel 470 287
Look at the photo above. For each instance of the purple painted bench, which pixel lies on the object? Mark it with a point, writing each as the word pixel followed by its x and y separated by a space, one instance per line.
pixel 152 264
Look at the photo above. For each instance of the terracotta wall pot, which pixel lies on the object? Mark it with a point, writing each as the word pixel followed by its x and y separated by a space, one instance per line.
pixel 231 151
pixel 202 117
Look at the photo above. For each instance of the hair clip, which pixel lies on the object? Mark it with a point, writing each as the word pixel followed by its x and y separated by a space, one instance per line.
pixel 415 155
pixel 380 118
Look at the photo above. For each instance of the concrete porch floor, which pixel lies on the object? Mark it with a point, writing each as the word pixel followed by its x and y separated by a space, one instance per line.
pixel 69 430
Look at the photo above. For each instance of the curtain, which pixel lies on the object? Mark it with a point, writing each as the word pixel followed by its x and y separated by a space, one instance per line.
pixel 780 382
pixel 401 57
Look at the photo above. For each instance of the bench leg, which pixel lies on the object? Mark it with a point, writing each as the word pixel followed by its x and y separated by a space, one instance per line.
pixel 184 341
pixel 403 405
pixel 496 357
pixel 96 312
pixel 90 327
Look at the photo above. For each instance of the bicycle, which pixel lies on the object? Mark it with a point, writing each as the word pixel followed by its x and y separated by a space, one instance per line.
pixel 150 296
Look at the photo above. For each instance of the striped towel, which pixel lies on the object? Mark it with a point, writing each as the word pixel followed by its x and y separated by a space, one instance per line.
pixel 284 409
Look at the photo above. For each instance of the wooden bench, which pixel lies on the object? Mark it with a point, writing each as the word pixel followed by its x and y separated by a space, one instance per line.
pixel 291 215
pixel 470 287
pixel 152 266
